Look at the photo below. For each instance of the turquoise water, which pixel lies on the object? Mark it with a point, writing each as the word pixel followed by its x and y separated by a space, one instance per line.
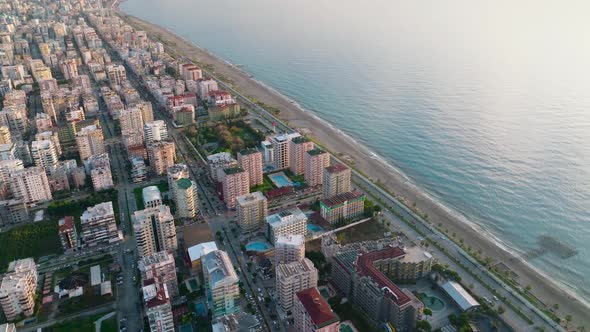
pixel 314 228
pixel 432 302
pixel 484 105
pixel 257 246
pixel 280 180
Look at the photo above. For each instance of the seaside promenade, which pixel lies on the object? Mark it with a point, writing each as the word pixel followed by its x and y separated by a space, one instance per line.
pixel 245 87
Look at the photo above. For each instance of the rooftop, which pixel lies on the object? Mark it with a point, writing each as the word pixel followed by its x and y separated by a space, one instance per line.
pixel 300 139
pixel 249 151
pixel 197 251
pixel 291 239
pixel 254 196
pixel 459 295
pixel 337 168
pixel 184 184
pixel 233 170
pixel 285 217
pixel 66 223
pixel 289 270
pixel 316 152
pixel 151 193
pixel 219 269
pixel 342 198
pixel 317 308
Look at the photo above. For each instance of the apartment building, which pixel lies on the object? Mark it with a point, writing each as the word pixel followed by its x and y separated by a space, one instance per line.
pixel 252 210
pixel 154 230
pixel 292 278
pixel 316 161
pixel 287 222
pixel 312 313
pixel 30 185
pixel 44 154
pixel 155 131
pixel 68 236
pixel 186 198
pixel 160 267
pixel 235 183
pixel 18 288
pixel 131 120
pixel 289 248
pixel 158 308
pixel 162 155
pixel 251 161
pixel 98 225
pixel 343 206
pixel 152 197
pixel 218 162
pixel 221 282
pixel 336 180
pixel 90 141
pixel 297 150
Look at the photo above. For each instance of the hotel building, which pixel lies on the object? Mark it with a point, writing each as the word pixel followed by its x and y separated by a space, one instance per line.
pixel 292 278
pixel 286 222
pixel 298 147
pixel 342 206
pixel 222 283
pixel 316 161
pixel 17 289
pixel 289 248
pixel 312 313
pixel 252 208
pixel 336 180
pixel 251 161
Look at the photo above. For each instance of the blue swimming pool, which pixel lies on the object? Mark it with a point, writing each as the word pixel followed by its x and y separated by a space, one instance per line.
pixel 314 228
pixel 280 180
pixel 257 246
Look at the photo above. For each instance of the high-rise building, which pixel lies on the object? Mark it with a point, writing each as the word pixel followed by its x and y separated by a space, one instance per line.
pixel 205 87
pixel 312 313
pixel 69 69
pixel 157 306
pixel 147 113
pixel 298 147
pixel 280 145
pixel 43 122
pixel 131 120
pixel 336 180
pixel 161 268
pixel 289 248
pixel 252 208
pixel 102 178
pixel 116 74
pixel 186 199
pixel 7 327
pixel 152 197
pixel 99 225
pixel 175 173
pixel 90 140
pixel 138 169
pixel 67 233
pixel 155 131
pixel 5 137
pixel 251 161
pixel 315 162
pixel 292 278
pixel 235 183
pixel 18 287
pixel 342 206
pixel 31 185
pixel 50 136
pixel 154 230
pixel 286 222
pixel 44 154
pixel 218 162
pixel 222 283
pixel 162 155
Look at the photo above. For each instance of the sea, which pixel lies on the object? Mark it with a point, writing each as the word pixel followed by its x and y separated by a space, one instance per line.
pixel 484 105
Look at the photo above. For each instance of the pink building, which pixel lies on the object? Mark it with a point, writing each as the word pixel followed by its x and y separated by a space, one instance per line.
pixel 251 161
pixel 312 313
pixel 235 183
pixel 297 149
pixel 315 162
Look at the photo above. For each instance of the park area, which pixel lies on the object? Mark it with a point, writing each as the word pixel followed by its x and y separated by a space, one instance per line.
pixel 229 136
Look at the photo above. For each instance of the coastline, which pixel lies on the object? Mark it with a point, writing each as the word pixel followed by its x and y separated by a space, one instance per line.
pixel 376 167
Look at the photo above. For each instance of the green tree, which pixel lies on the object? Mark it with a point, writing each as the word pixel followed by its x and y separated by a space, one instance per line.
pixel 423 325
pixel 501 310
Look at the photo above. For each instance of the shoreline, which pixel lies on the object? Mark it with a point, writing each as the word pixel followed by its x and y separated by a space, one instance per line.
pixel 377 167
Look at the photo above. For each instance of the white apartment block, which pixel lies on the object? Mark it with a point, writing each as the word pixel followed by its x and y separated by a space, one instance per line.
pixel 289 248
pixel 218 162
pixel 315 162
pixel 131 120
pixel 286 222
pixel 222 283
pixel 235 183
pixel 99 225
pixel 152 197
pixel 252 209
pixel 292 278
pixel 162 155
pixel 205 87
pixel 175 173
pixel 44 154
pixel 336 180
pixel 17 289
pixel 281 149
pixel 186 199
pixel 90 141
pixel 102 178
pixel 154 230
pixel 154 131
pixel 50 136
pixel 116 74
pixel 31 185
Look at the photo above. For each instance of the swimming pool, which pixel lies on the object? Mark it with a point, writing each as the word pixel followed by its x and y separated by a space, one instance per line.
pixel 432 302
pixel 257 246
pixel 314 228
pixel 280 180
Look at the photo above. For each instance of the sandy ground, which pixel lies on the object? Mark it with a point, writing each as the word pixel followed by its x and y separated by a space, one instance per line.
pixel 544 289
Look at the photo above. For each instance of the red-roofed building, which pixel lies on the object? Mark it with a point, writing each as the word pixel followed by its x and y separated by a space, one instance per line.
pixel 312 313
pixel 67 233
pixel 343 206
pixel 157 306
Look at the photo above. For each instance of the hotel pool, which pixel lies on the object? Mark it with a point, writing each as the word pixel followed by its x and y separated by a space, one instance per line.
pixel 280 180
pixel 432 302
pixel 257 246
pixel 314 228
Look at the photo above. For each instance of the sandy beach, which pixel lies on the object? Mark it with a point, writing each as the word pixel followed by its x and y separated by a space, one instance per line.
pixel 544 289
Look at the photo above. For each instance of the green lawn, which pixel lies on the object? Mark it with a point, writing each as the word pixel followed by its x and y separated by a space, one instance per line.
pixel 109 325
pixel 138 193
pixel 265 187
pixel 77 325
pixel 75 208
pixel 31 240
